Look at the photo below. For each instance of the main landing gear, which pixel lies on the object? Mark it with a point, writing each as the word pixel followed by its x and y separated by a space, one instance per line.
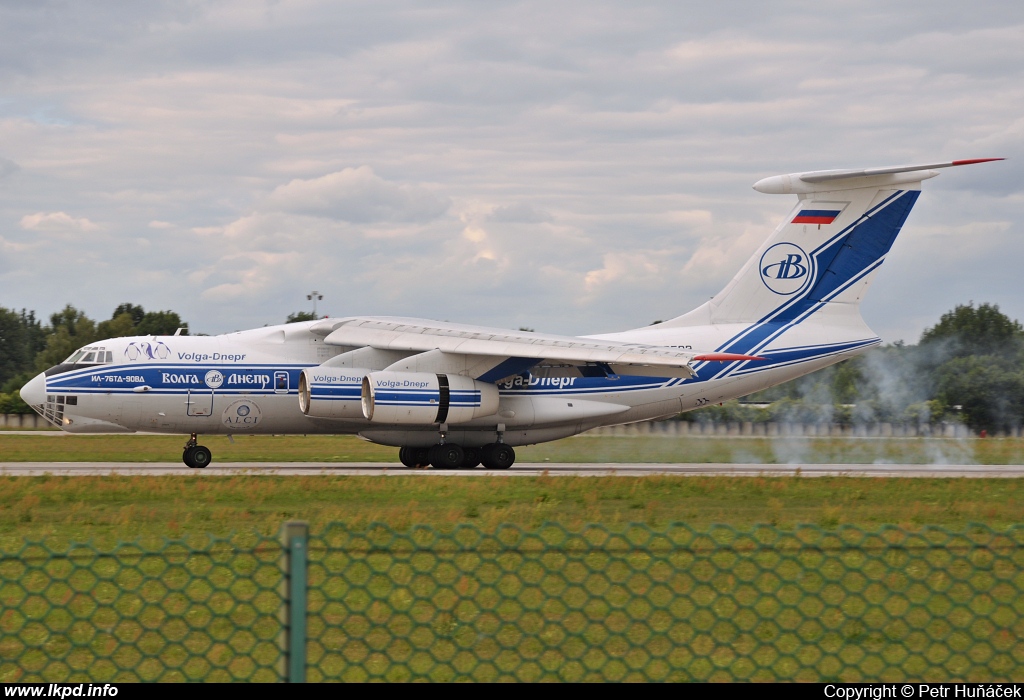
pixel 196 456
pixel 496 455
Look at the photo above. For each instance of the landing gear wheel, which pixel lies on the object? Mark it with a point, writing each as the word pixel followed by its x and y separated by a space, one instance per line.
pixel 195 455
pixel 407 457
pixel 497 455
pixel 471 459
pixel 446 456
pixel 414 457
pixel 201 457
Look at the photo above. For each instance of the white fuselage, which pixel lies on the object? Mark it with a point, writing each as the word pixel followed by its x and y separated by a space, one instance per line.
pixel 247 382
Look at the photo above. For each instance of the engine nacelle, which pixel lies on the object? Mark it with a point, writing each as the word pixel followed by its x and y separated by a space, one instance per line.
pixel 328 392
pixel 418 398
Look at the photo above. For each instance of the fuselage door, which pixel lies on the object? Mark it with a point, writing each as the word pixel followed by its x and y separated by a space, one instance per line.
pixel 280 382
pixel 199 403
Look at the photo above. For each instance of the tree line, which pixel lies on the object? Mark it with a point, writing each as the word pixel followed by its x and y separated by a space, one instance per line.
pixel 968 368
pixel 28 346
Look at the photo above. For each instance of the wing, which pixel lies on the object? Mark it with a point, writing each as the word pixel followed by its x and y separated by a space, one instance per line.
pixel 482 351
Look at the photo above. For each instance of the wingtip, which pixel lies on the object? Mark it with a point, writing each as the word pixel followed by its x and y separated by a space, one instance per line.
pixel 972 161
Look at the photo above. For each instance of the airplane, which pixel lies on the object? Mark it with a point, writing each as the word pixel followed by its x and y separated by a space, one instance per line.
pixel 454 396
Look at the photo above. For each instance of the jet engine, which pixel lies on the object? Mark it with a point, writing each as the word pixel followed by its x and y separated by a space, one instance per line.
pixel 327 392
pixel 418 398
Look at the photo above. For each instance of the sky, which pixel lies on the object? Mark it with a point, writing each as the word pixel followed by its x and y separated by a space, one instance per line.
pixel 571 167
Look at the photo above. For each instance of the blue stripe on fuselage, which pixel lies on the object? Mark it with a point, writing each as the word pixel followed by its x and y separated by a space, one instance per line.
pixel 174 378
pixel 789 356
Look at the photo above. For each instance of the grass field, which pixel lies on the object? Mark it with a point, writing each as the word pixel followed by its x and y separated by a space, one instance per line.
pixel 724 615
pixel 119 508
pixel 124 507
pixel 60 447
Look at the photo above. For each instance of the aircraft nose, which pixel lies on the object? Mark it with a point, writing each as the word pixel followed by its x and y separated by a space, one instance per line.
pixel 34 393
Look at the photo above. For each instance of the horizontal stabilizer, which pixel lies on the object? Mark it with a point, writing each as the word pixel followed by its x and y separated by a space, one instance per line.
pixel 821 180
pixel 826 175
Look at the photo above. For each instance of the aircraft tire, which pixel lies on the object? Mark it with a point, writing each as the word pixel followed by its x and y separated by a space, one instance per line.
pixel 407 456
pixel 447 456
pixel 186 457
pixel 201 457
pixel 497 456
pixel 471 460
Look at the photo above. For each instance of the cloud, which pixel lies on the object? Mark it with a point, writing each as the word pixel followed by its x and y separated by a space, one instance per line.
pixel 474 234
pixel 722 255
pixel 7 167
pixel 57 221
pixel 519 212
pixel 358 195
pixel 247 276
pixel 551 165
pixel 622 265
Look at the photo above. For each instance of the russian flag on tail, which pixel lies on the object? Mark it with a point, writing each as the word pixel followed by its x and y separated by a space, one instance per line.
pixel 816 216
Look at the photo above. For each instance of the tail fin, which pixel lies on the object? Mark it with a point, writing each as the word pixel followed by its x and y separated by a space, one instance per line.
pixel 827 249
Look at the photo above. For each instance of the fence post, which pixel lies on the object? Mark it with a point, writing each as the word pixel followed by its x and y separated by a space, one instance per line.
pixel 294 543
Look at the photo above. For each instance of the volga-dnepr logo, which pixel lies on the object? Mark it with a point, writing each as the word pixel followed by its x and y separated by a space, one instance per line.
pixel 786 269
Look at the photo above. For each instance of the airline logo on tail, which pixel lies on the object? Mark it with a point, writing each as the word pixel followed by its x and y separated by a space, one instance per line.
pixel 867 208
pixel 785 269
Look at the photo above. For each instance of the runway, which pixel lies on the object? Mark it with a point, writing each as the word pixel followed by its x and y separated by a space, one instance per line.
pixel 525 469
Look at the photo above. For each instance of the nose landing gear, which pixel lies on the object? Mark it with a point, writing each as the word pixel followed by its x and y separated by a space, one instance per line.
pixel 196 456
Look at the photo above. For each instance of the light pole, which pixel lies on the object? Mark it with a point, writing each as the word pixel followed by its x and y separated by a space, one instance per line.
pixel 314 296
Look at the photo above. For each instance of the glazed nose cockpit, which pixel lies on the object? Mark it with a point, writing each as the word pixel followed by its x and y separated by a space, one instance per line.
pixel 51 406
pixel 88 356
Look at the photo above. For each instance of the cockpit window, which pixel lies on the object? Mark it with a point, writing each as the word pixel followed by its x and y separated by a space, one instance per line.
pixel 90 355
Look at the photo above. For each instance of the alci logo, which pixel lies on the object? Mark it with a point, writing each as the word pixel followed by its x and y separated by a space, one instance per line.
pixel 241 415
pixel 785 269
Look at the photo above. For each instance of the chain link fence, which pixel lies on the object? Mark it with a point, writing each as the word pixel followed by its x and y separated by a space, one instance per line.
pixel 171 612
pixel 549 603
